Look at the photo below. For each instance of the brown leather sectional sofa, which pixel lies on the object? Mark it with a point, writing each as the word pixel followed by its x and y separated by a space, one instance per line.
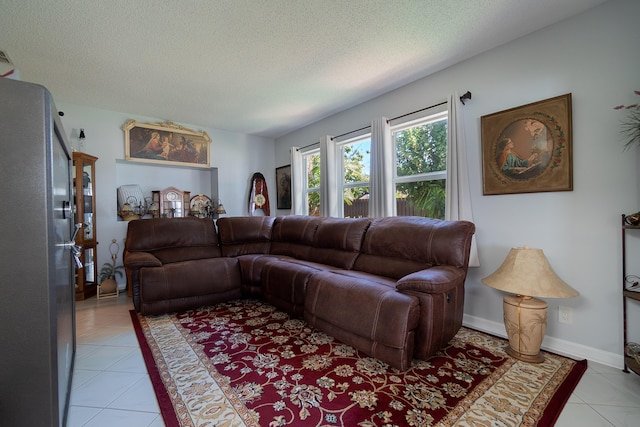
pixel 391 287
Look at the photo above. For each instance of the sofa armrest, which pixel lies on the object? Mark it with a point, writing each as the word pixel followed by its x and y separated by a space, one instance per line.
pixel 432 280
pixel 133 262
pixel 440 291
pixel 137 260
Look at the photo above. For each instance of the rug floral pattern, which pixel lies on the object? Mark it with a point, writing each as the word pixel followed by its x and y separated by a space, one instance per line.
pixel 244 363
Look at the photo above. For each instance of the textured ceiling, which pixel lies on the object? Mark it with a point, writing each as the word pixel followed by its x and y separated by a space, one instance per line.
pixel 263 67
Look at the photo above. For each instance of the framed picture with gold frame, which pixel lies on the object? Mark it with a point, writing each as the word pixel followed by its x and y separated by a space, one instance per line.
pixel 528 149
pixel 166 144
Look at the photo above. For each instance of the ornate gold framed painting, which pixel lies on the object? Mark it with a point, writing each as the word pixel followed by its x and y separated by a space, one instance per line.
pixel 167 144
pixel 528 149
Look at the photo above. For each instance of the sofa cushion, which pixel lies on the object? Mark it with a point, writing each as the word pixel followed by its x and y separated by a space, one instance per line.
pixel 188 284
pixel 397 246
pixel 251 266
pixel 293 235
pixel 337 241
pixel 174 239
pixel 348 305
pixel 245 235
pixel 284 285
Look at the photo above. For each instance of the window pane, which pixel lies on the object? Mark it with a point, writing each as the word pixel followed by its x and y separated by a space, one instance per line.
pixel 311 185
pixel 356 202
pixel 313 170
pixel 313 203
pixel 356 161
pixel 421 149
pixel 421 198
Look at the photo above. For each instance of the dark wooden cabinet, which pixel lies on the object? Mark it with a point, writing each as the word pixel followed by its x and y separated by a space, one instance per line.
pixel 84 166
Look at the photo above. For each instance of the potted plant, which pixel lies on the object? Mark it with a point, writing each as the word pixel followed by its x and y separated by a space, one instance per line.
pixel 631 127
pixel 107 276
pixel 109 271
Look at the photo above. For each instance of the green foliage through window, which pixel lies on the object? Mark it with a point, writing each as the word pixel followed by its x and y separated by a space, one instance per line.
pixel 355 163
pixel 421 161
pixel 422 150
pixel 313 182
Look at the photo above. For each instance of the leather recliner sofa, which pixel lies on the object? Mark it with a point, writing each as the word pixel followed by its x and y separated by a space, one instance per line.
pixel 391 287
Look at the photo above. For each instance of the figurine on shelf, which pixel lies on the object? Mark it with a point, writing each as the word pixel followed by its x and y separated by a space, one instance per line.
pixel 127 213
pixel 200 206
pixel 632 350
pixel 633 219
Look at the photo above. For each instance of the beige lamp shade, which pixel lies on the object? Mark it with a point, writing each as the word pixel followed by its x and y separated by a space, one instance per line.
pixel 526 271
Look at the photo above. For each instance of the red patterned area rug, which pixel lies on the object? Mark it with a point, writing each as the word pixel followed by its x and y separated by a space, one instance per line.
pixel 244 363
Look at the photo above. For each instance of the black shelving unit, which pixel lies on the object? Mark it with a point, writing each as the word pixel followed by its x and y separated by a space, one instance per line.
pixel 629 362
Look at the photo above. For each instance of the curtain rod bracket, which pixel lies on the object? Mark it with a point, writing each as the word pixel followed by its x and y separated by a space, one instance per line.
pixel 465 96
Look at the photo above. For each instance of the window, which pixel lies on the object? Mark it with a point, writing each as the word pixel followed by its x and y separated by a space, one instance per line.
pixel 411 179
pixel 311 182
pixel 354 172
pixel 421 157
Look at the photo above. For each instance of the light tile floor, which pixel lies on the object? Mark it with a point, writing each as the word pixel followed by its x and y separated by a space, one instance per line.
pixel 111 386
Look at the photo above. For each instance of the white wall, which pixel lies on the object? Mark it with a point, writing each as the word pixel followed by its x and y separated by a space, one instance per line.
pixel 595 57
pixel 237 157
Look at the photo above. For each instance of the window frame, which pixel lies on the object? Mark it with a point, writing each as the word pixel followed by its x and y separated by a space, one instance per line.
pixel 340 170
pixel 428 117
pixel 306 190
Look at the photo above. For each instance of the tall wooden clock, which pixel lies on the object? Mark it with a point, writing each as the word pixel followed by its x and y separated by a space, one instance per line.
pixel 171 202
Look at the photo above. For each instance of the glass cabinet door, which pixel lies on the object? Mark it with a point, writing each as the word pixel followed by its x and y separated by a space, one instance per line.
pixel 87 198
pixel 85 208
pixel 89 266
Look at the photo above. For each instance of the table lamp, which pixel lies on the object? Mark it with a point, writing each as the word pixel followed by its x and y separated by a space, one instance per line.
pixel 527 274
pixel 220 209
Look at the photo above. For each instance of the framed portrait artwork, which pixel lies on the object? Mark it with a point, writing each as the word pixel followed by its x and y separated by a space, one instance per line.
pixel 283 187
pixel 528 149
pixel 166 144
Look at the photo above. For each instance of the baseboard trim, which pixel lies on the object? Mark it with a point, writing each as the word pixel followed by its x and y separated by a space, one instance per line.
pixel 555 345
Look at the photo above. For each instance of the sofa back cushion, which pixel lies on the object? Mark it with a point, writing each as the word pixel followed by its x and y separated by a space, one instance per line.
pixel 337 241
pixel 245 235
pixel 293 235
pixel 173 239
pixel 397 246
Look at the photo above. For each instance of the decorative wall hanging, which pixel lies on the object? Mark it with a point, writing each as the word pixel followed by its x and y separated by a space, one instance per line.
pixel 258 196
pixel 167 144
pixel 283 187
pixel 528 149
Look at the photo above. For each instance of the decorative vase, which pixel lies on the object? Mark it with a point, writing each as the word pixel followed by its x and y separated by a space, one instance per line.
pixel 108 286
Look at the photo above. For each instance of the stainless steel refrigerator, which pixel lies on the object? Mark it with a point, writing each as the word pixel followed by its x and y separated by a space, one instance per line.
pixel 37 318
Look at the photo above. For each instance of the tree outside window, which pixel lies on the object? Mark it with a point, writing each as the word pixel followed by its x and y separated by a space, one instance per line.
pixel 355 181
pixel 421 161
pixel 312 187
